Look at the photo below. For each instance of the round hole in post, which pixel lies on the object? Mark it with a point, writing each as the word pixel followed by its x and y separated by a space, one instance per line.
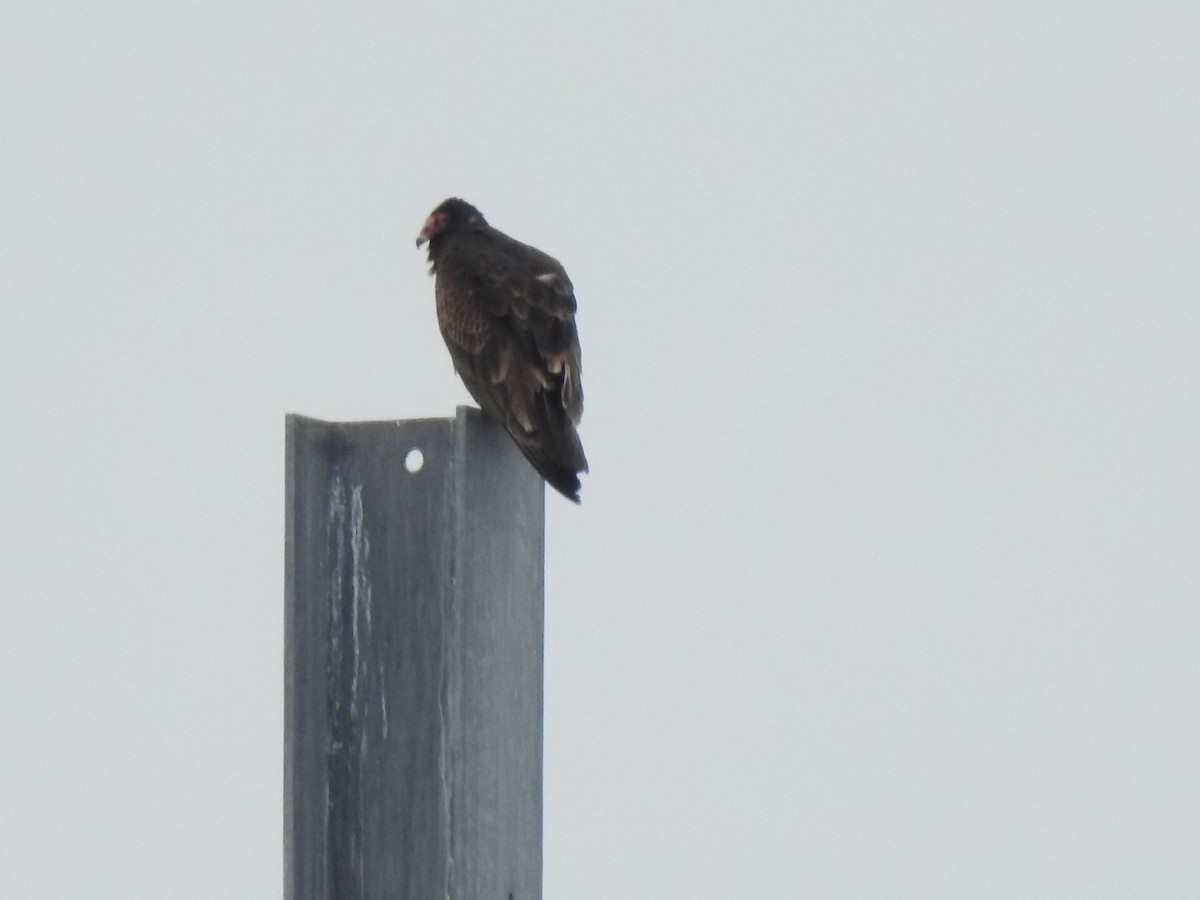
pixel 413 460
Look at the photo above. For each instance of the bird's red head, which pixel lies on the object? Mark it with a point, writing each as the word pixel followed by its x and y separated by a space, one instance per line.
pixel 451 214
pixel 433 226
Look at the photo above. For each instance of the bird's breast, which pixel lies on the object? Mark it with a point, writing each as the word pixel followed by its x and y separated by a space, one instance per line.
pixel 459 317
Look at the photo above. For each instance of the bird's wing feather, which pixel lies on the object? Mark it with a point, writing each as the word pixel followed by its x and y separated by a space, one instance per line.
pixel 507 313
pixel 521 333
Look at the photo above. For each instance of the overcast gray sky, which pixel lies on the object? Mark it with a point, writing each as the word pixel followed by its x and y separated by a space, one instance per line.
pixel 885 581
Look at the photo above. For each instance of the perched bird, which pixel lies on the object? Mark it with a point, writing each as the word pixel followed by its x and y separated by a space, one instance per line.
pixel 507 313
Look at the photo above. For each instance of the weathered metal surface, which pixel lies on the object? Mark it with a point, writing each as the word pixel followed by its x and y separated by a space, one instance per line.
pixel 413 670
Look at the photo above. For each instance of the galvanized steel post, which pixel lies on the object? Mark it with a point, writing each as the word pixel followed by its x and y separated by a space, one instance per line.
pixel 413 662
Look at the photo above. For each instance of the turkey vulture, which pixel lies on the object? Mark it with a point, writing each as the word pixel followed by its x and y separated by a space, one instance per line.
pixel 507 313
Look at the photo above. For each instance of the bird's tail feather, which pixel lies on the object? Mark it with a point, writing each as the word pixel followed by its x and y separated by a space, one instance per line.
pixel 559 464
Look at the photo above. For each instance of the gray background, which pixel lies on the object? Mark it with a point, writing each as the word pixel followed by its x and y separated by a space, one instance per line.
pixel 885 580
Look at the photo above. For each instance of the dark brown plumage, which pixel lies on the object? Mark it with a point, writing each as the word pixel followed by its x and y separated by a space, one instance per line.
pixel 507 313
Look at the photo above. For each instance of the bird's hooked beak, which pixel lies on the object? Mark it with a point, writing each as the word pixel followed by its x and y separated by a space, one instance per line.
pixel 429 229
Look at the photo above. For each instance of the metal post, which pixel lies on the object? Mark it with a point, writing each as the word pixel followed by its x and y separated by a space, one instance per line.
pixel 413 662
